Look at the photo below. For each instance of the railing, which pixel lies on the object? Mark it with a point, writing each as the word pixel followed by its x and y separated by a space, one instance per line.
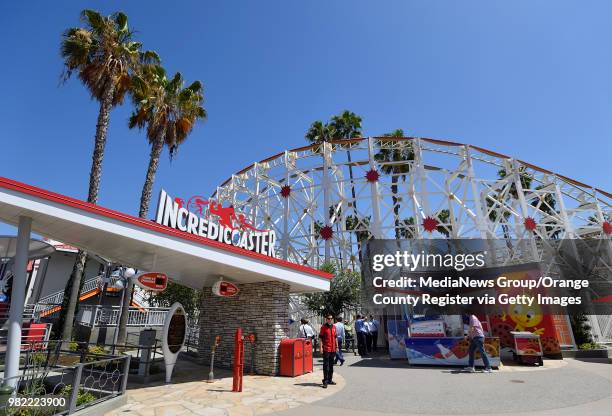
pixel 140 297
pixel 32 335
pixel 74 380
pixel 192 339
pixel 109 316
pixel 58 297
pixel 28 313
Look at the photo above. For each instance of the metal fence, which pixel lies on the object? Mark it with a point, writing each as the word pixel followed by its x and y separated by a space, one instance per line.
pixel 64 381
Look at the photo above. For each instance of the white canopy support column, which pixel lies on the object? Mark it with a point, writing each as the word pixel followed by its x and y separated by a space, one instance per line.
pixel 13 349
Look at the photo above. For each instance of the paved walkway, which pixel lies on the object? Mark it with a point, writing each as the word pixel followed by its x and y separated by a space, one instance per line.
pixel 380 386
pixel 190 395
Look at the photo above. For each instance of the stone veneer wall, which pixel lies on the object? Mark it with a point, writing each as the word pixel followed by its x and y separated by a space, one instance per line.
pixel 260 308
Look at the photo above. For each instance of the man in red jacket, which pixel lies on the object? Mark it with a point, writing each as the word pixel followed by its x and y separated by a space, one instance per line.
pixel 328 347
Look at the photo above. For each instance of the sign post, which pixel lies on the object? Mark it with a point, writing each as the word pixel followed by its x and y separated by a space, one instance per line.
pixel 173 338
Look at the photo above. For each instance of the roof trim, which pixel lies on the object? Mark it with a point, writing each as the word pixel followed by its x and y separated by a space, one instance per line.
pixel 7 183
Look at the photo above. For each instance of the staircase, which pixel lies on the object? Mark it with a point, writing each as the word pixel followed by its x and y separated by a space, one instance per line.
pixel 51 304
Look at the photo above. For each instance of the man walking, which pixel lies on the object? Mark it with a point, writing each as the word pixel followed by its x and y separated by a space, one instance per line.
pixel 329 346
pixel 476 335
pixel 340 338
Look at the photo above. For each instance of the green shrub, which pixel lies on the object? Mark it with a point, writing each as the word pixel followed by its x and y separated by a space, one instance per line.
pixel 38 358
pixel 589 346
pixel 32 411
pixel 83 396
pixel 96 349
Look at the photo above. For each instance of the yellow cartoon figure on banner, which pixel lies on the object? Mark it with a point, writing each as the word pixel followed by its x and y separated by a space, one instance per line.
pixel 526 318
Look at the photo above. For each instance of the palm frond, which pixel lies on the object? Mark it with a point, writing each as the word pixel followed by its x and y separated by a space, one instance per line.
pixel 121 20
pixel 93 19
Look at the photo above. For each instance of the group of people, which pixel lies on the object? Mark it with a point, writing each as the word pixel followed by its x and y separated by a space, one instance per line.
pixel 334 335
pixel 367 334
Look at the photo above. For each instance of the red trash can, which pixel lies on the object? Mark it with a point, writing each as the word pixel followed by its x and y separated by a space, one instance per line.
pixel 307 356
pixel 291 353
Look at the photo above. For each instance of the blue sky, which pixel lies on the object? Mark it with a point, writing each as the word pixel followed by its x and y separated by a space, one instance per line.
pixel 524 78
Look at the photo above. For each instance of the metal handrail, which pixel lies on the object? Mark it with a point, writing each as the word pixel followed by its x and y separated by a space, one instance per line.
pixel 109 315
pixel 57 297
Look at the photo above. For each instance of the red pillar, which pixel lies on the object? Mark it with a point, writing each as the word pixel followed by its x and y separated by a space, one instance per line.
pixel 238 361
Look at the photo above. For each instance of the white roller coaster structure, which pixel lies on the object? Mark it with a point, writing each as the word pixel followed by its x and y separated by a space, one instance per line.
pixel 323 199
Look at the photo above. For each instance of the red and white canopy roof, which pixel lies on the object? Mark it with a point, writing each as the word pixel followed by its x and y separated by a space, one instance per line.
pixel 187 259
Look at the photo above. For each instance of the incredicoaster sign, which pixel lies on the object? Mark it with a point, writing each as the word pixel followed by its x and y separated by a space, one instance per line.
pixel 231 228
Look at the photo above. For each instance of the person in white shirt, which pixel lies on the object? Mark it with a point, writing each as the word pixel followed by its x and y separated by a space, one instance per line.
pixel 374 325
pixel 340 336
pixel 307 331
pixel 368 329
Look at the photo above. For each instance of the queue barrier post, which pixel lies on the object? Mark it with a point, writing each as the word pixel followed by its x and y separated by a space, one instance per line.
pixel 211 374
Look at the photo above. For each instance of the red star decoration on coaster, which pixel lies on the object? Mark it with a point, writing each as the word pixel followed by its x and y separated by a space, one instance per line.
pixel 607 227
pixel 372 175
pixel 285 191
pixel 430 224
pixel 530 224
pixel 326 232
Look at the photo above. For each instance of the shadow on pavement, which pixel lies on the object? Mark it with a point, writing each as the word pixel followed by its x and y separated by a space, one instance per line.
pixel 403 364
pixel 308 384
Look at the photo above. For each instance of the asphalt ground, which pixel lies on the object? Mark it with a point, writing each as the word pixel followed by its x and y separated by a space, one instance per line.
pixel 379 386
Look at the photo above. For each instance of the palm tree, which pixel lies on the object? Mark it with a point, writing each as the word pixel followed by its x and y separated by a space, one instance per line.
pixel 169 112
pixel 344 126
pixel 103 54
pixel 395 162
pixel 408 229
pixel 319 132
pixel 347 126
pixel 444 218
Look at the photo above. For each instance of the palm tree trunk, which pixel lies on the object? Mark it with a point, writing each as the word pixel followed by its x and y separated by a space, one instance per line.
pixel 145 199
pixel 396 207
pixel 350 166
pixel 74 285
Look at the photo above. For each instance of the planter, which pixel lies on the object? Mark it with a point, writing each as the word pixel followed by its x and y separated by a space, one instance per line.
pixel 601 353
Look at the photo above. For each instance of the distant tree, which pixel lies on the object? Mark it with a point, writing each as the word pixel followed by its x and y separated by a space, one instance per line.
pixel 444 218
pixel 346 125
pixel 394 161
pixel 186 296
pixel 408 229
pixel 581 329
pixel 344 293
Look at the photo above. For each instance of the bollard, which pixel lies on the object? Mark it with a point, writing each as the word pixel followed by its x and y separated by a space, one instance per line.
pixel 211 374
pixel 239 341
pixel 238 361
pixel 251 339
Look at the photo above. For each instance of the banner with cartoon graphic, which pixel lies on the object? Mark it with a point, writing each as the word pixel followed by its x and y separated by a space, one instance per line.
pixel 449 351
pixel 527 318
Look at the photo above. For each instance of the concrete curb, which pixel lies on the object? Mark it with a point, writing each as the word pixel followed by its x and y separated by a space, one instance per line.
pixel 603 353
pixel 104 407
